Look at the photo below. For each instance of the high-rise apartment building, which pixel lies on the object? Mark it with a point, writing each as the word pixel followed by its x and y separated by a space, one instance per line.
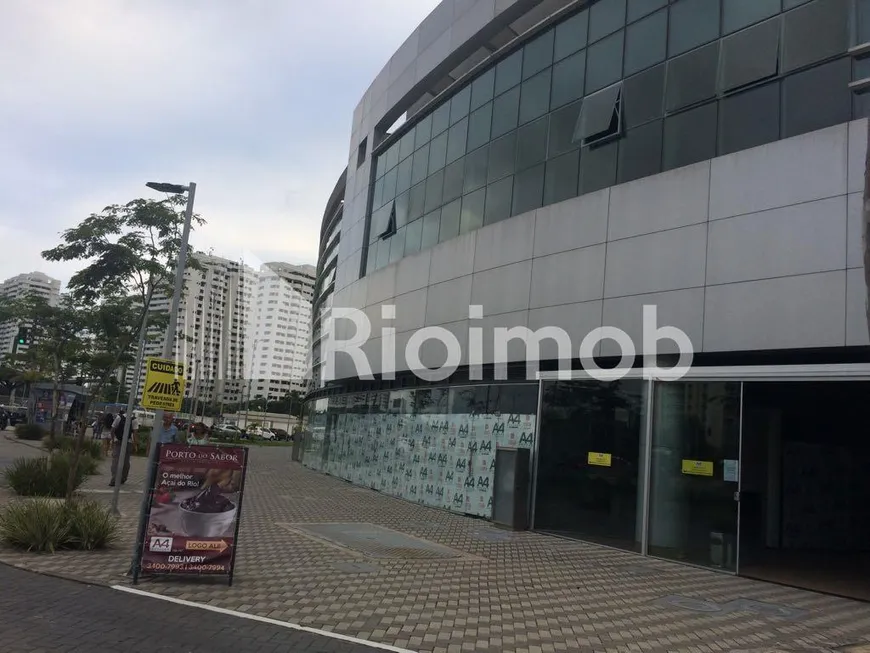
pixel 29 283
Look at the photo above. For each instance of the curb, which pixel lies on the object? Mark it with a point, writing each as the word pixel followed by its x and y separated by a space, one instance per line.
pixel 12 438
pixel 51 574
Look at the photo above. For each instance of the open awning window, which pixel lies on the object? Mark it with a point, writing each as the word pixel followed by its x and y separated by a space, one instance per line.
pixel 390 227
pixel 751 55
pixel 601 116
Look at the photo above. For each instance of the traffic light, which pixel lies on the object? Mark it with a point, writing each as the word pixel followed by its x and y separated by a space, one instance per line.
pixel 23 336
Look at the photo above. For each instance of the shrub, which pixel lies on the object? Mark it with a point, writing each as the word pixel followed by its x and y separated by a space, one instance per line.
pixel 45 476
pixel 37 525
pixel 92 448
pixel 92 525
pixel 29 432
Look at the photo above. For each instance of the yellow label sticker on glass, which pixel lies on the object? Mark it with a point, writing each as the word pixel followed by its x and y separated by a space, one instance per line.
pixel 698 467
pixel 600 459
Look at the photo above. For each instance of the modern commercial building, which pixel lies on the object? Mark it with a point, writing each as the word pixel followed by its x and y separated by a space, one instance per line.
pixel 565 164
pixel 22 285
pixel 282 326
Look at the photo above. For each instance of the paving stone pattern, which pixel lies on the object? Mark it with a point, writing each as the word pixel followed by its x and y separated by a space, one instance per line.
pixel 508 592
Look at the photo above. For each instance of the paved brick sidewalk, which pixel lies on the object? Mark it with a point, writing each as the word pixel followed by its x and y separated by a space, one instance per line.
pixel 502 592
pixel 50 614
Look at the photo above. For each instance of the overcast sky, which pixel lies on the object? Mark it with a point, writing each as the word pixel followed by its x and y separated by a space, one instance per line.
pixel 251 99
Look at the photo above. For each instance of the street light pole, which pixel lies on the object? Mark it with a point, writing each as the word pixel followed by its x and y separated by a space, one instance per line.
pixel 168 348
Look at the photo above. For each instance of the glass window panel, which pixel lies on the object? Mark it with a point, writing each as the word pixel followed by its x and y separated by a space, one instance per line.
pixel 640 152
pixel 690 136
pixel 863 22
pixel 508 72
pixel 476 164
pixel 417 201
pixel 440 119
pixel 378 194
pixel 816 98
pixel 692 77
pixel 437 153
pixel 505 112
pixel 431 227
pixel 397 245
pixel 479 125
pixel 502 155
pixel 420 167
pixel 569 76
pixel 423 132
pixel 598 168
pixel 643 97
pixel 392 155
pixel 403 175
pixel 737 14
pixel 571 35
pixel 605 17
pixel 450 216
pixel 471 217
pixel 384 247
pixel 815 32
pixel 598 112
pixel 434 191
pixel 389 186
pixel 453 179
pixel 790 4
pixel 692 23
pixel 563 126
pixel 380 219
pixel 456 140
pixel 538 54
pixel 459 105
pixel 528 190
pixel 532 143
pixel 750 55
pixel 749 119
pixel 535 96
pixel 640 8
pixel 482 89
pixel 413 236
pixel 860 105
pixel 561 178
pixel 498 201
pixel 406 145
pixel 402 205
pixel 646 42
pixel 604 66
pixel 371 256
pixel 381 166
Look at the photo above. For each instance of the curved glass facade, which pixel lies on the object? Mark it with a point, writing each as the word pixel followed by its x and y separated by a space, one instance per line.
pixel 618 91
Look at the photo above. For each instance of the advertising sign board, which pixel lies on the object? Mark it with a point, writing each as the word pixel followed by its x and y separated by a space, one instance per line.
pixel 164 384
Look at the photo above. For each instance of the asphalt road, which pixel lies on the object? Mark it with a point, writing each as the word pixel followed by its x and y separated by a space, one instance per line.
pixel 41 613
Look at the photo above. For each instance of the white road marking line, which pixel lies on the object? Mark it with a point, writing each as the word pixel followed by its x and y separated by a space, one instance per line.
pixel 265 620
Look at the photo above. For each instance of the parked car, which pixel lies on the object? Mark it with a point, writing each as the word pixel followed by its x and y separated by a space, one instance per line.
pixel 227 432
pixel 267 434
pixel 281 434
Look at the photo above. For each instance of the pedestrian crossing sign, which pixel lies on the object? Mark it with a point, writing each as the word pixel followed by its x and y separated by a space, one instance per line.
pixel 164 384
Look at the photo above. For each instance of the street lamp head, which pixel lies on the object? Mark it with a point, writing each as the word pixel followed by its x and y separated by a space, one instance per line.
pixel 166 188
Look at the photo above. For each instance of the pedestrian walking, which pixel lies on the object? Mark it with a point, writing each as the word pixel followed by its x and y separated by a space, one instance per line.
pixel 198 434
pixel 108 419
pixel 169 433
pixel 118 433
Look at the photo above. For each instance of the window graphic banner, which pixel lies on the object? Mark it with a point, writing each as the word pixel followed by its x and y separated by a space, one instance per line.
pixel 194 510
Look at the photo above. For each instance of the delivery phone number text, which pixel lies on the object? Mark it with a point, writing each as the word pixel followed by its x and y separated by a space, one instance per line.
pixel 164 566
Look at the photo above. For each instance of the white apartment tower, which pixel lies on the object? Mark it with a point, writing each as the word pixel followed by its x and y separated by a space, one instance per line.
pixel 29 283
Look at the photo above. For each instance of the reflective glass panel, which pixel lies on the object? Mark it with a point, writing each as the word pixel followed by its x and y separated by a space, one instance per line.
pixel 605 17
pixel 456 140
pixel 816 98
pixel 815 32
pixel 535 96
pixel 560 182
pixel 692 77
pixel 502 155
pixel 440 118
pixel 479 125
pixel 571 35
pixel 563 124
pixel 508 72
pixel 476 164
pixel 471 217
pixel 646 42
pixel 423 131
pixel 749 119
pixel 437 152
pixel 692 23
pixel 417 201
pixel 532 143
pixel 420 168
pixel 690 136
pixel 454 175
pixel 737 14
pixel 498 201
pixel 643 97
pixel 431 227
pixel 569 77
pixel 538 54
pixel 459 105
pixel 528 190
pixel 751 55
pixel 434 190
pixel 450 220
pixel 640 152
pixel 598 168
pixel 505 112
pixel 604 64
pixel 482 88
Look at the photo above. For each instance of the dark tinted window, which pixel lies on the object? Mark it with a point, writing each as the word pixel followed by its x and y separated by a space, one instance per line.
pixel 640 152
pixel 528 190
pixel 750 55
pixel 380 167
pixel 604 64
pixel 502 154
pixel 475 169
pixel 434 190
pixel 571 35
pixel 538 54
pixel 692 23
pixel 814 32
pixel 692 77
pixel 479 124
pixel 600 114
pixel 401 209
pixel 508 72
pixel 640 8
pixel 392 156
pixel 383 254
pixel 690 136
pixel 456 138
pixel 459 105
pixel 403 175
pixel 378 194
pixel 749 119
pixel 560 182
pixel 417 201
pixel 505 112
pixel 535 96
pixel 421 165
pixel 471 217
pixel 646 42
pixel 397 245
pixel 643 96
pixel 423 131
pixel 437 152
pixel 450 221
pixel 532 143
pixel 498 200
pixel 568 79
pixel 598 168
pixel 380 220
pixel 389 186
pixel 737 14
pixel 481 89
pixel 605 17
pixel 563 128
pixel 453 180
pixel 863 21
pixel 413 234
pixel 440 118
pixel 431 227
pixel 406 145
pixel 816 98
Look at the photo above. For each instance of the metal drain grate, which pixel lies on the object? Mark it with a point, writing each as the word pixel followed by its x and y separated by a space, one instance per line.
pixel 378 542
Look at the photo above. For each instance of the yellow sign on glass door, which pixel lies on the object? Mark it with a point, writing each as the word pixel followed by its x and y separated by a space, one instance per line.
pixel 698 467
pixel 600 459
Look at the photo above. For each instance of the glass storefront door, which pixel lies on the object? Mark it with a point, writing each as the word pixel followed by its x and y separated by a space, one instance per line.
pixel 694 475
